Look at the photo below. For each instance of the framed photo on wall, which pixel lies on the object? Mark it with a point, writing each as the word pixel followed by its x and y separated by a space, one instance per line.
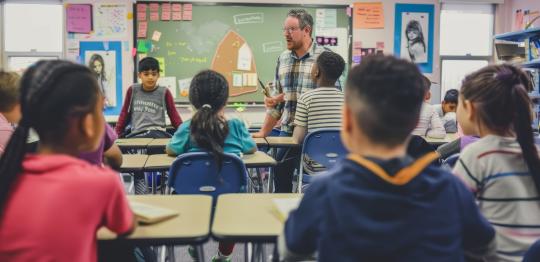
pixel 105 60
pixel 413 35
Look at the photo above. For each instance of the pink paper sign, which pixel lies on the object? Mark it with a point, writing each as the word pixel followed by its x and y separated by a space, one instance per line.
pixel 79 18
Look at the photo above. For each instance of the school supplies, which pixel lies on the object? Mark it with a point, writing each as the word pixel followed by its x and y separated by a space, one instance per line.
pixel 148 214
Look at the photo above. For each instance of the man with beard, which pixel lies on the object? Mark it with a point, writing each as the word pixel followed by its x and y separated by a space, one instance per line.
pixel 292 79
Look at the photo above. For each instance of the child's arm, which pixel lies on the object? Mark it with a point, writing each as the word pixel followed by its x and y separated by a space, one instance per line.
pixel 118 216
pixel 113 157
pixel 176 121
pixel 179 143
pixel 301 120
pixel 436 128
pixel 301 232
pixel 248 144
pixel 450 123
pixel 124 117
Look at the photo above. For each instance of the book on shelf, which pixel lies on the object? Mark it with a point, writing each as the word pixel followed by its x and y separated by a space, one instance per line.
pixel 149 214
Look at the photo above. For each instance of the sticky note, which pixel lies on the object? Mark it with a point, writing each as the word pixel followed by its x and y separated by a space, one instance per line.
pixel 141 46
pixel 156 36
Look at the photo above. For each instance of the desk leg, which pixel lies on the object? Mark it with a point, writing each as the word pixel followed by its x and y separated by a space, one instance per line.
pixel 154 182
pixel 200 252
pixel 272 172
pixel 275 255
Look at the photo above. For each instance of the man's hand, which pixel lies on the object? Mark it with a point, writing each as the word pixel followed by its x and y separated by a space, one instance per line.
pixel 270 102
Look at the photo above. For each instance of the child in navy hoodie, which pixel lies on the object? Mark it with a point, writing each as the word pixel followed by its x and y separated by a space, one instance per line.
pixel 380 204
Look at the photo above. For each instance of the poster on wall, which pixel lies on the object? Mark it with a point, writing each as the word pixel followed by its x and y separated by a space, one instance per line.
pixel 413 35
pixel 105 60
pixel 110 20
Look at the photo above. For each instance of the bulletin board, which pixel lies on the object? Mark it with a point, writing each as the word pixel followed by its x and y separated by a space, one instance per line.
pixel 241 41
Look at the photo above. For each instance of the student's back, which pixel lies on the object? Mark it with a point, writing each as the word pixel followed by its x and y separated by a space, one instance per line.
pixel 56 206
pixel 363 217
pixel 379 204
pixel 51 203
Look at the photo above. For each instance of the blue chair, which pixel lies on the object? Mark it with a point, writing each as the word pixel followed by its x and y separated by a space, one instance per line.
pixel 323 146
pixel 451 161
pixel 197 173
pixel 533 254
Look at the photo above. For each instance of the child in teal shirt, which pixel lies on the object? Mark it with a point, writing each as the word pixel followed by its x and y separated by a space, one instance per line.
pixel 210 131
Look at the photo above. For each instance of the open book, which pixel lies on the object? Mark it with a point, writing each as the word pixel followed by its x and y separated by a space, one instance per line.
pixel 283 206
pixel 149 214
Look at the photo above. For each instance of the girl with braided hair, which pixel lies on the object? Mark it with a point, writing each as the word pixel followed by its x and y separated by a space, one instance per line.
pixel 51 202
pixel 210 131
pixel 503 167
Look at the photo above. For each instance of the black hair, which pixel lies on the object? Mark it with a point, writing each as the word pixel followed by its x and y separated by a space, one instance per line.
pixel 385 93
pixel 451 96
pixel 9 90
pixel 426 83
pixel 51 92
pixel 304 18
pixel 499 93
pixel 415 25
pixel 331 65
pixel 208 93
pixel 148 64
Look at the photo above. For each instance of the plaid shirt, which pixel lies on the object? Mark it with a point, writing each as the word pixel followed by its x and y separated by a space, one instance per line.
pixel 293 77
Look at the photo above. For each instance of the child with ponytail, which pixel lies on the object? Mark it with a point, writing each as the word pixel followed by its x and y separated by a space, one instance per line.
pixel 51 202
pixel 502 168
pixel 209 131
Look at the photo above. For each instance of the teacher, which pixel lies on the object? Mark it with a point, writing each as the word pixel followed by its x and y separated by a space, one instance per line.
pixel 293 78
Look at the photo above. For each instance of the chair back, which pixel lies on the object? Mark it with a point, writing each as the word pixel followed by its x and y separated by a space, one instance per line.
pixel 533 254
pixel 197 173
pixel 324 146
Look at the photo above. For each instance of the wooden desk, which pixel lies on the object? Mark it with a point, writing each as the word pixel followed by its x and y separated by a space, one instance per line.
pixel 258 159
pixel 260 141
pixel 133 163
pixel 133 143
pixel 192 226
pixel 162 162
pixel 281 141
pixel 247 217
pixel 157 146
pixel 439 141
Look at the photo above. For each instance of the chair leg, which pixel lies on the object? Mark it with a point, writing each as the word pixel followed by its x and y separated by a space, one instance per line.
pixel 200 252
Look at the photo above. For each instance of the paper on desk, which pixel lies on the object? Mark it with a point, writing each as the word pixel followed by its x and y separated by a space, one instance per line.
pixel 149 214
pixel 283 206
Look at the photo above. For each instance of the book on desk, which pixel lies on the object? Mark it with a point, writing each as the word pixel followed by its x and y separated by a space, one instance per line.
pixel 148 214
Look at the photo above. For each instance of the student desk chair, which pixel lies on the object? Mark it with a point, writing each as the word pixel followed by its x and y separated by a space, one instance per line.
pixel 162 162
pixel 190 227
pixel 248 218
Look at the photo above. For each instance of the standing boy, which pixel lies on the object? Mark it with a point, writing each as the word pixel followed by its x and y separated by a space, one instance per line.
pixel 380 204
pixel 146 103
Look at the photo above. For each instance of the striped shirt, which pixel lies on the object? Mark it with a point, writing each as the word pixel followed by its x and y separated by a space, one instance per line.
pixel 319 108
pixel 293 77
pixel 429 124
pixel 494 168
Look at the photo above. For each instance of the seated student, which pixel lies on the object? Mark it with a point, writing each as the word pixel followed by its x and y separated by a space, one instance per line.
pixel 108 153
pixel 502 168
pixel 145 105
pixel 52 203
pixel 447 110
pixel 320 107
pixel 10 112
pixel 429 124
pixel 380 204
pixel 210 131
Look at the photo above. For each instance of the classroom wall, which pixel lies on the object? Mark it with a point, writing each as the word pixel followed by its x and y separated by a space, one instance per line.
pixel 505 14
pixel 126 40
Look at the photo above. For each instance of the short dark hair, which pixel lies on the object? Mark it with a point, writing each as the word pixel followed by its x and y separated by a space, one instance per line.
pixel 451 96
pixel 426 83
pixel 148 63
pixel 331 65
pixel 304 18
pixel 9 90
pixel 385 93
